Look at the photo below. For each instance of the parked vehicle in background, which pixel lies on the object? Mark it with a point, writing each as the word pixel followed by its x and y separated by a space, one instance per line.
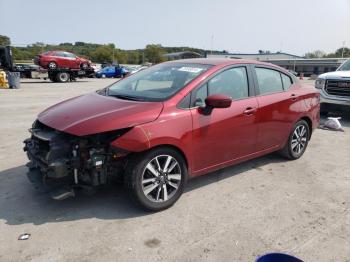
pixel 61 59
pixel 135 69
pixel 96 67
pixel 335 89
pixel 170 122
pixel 112 71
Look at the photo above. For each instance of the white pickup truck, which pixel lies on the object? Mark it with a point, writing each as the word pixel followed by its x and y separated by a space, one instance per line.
pixel 335 89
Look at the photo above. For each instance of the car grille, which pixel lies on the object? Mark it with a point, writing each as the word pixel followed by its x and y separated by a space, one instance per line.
pixel 338 87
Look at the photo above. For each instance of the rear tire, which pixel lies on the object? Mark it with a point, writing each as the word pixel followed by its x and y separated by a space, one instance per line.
pixel 297 141
pixel 156 179
pixel 63 77
pixel 52 65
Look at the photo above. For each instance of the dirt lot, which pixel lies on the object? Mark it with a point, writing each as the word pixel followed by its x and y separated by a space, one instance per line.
pixel 300 207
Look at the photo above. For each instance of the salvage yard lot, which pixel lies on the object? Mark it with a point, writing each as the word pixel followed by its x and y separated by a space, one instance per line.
pixel 269 204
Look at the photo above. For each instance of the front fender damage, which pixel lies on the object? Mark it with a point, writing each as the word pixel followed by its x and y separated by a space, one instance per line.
pixel 136 140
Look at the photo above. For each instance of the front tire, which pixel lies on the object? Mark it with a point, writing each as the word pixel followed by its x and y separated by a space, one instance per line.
pixel 297 141
pixel 156 179
pixel 84 66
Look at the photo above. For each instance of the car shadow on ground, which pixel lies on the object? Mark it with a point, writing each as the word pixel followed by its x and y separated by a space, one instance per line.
pixel 21 203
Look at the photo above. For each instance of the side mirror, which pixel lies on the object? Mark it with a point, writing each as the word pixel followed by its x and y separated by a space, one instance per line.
pixel 215 101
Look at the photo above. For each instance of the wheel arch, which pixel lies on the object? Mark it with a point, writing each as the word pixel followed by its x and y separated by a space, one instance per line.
pixel 307 120
pixel 174 147
pixel 309 123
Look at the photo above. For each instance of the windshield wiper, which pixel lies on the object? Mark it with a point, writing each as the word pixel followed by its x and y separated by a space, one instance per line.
pixel 126 97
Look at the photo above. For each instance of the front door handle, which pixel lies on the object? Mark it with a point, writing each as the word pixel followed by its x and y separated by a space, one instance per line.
pixel 249 111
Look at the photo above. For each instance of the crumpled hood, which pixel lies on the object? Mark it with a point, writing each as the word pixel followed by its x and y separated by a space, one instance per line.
pixel 335 75
pixel 93 113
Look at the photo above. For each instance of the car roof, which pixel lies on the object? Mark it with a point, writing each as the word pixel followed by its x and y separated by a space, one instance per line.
pixel 221 61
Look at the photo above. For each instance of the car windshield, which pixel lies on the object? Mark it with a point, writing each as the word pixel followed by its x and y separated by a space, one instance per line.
pixel 158 82
pixel 345 66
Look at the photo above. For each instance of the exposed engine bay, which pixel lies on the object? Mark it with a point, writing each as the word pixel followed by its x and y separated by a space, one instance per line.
pixel 61 162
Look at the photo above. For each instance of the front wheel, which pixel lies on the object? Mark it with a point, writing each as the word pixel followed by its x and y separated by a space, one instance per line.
pixel 84 66
pixel 156 178
pixel 297 141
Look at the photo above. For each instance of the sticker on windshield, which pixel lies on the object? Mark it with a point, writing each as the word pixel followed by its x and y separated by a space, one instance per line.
pixel 190 69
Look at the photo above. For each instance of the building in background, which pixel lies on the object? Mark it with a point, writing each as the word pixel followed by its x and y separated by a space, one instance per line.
pixel 260 56
pixel 307 66
pixel 182 55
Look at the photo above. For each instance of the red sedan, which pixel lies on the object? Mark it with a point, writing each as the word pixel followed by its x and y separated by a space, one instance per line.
pixel 61 59
pixel 176 120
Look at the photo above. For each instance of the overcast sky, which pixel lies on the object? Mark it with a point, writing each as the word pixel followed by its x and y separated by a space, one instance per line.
pixel 242 26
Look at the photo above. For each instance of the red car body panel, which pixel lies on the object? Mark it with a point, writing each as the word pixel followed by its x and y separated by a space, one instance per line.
pixel 208 142
pixel 62 62
pixel 93 113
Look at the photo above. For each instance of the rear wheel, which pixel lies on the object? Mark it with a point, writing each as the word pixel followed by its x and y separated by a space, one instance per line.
pixel 297 141
pixel 62 77
pixel 156 179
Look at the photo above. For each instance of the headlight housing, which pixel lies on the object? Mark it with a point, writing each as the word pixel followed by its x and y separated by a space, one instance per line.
pixel 320 83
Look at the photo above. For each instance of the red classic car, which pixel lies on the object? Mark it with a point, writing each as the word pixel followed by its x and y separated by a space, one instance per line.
pixel 170 122
pixel 61 59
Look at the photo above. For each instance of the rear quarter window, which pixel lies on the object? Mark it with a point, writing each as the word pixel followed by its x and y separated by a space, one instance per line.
pixel 287 81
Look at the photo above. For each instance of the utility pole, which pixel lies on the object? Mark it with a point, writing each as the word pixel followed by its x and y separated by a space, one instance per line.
pixel 211 44
pixel 342 52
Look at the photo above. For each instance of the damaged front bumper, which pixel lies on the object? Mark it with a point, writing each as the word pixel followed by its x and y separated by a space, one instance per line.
pixel 59 162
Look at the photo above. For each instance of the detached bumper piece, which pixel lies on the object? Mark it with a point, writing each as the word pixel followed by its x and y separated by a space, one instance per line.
pixel 49 168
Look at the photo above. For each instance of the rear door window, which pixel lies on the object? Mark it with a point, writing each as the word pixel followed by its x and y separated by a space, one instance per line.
pixel 59 53
pixel 269 80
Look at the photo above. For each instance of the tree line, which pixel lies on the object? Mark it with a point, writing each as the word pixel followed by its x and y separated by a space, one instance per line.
pixel 152 53
pixel 99 53
pixel 340 52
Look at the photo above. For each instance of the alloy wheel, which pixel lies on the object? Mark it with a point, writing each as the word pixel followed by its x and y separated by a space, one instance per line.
pixel 52 65
pixel 299 139
pixel 161 178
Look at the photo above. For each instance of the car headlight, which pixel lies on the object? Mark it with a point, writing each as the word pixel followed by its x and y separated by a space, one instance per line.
pixel 319 84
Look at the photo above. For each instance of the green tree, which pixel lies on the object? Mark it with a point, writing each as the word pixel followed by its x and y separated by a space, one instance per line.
pixel 102 54
pixel 5 40
pixel 133 57
pixel 154 53
pixel 120 56
pixel 345 52
pixel 21 54
pixel 315 54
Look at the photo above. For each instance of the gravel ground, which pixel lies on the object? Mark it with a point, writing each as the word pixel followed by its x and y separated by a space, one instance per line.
pixel 269 204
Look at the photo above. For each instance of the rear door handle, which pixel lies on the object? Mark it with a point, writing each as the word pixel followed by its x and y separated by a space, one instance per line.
pixel 294 97
pixel 249 111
